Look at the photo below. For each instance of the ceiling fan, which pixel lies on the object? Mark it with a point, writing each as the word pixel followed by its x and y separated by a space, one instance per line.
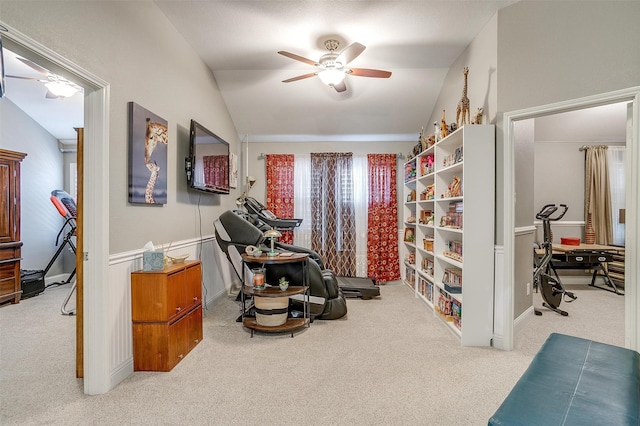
pixel 332 67
pixel 57 87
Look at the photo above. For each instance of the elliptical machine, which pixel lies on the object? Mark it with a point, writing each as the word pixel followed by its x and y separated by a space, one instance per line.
pixel 551 287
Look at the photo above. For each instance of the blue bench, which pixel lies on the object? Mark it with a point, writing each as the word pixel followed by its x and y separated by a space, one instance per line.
pixel 574 381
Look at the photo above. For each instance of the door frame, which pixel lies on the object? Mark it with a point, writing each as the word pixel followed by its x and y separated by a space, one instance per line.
pixel 505 287
pixel 96 343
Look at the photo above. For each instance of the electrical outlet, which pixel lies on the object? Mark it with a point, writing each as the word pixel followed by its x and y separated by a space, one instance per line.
pixel 528 289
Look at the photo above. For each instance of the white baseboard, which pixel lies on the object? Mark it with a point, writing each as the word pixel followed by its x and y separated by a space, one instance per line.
pixel 212 300
pixel 122 371
pixel 522 320
pixel 57 279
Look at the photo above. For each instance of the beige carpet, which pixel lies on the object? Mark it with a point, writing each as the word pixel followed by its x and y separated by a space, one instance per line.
pixel 389 362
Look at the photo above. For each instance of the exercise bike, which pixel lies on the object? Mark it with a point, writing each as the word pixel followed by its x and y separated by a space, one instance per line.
pixel 550 287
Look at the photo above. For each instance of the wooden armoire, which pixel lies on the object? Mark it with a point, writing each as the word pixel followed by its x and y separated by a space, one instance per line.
pixel 10 243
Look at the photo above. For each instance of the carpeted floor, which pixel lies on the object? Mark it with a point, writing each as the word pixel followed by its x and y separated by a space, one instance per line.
pixel 390 361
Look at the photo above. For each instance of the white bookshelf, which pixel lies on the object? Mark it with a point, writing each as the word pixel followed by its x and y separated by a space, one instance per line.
pixel 468 230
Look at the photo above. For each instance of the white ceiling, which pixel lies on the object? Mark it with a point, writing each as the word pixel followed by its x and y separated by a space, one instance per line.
pixel 416 40
pixel 57 116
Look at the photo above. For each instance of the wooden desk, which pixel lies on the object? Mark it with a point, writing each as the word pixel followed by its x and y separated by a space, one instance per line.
pixel 584 256
pixel 564 248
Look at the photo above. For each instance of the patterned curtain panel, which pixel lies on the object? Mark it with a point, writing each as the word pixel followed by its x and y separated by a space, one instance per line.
pixel 332 211
pixel 597 214
pixel 280 193
pixel 382 240
pixel 216 170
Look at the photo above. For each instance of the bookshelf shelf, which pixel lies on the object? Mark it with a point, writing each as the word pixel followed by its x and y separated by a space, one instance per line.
pixel 452 185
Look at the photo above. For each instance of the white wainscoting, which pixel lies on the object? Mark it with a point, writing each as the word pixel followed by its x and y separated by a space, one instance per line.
pixel 217 279
pixel 561 228
pixel 499 294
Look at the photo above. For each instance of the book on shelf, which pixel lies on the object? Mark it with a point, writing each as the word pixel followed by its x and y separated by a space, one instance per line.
pixel 427 266
pixel 452 280
pixel 410 275
pixel 456 313
pixel 443 306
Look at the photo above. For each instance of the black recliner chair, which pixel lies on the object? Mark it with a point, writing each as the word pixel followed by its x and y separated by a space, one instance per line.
pixel 235 231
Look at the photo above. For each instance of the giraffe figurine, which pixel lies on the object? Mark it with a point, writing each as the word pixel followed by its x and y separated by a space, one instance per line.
pixel 444 129
pixel 463 104
pixel 478 117
pixel 148 193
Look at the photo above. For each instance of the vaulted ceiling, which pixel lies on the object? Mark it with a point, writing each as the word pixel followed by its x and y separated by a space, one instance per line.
pixel 417 41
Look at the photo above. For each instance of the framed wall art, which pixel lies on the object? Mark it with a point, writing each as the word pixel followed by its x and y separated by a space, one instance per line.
pixel 233 172
pixel 148 140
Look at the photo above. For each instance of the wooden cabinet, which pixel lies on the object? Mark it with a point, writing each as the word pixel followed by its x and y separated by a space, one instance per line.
pixel 166 309
pixel 10 243
pixel 449 230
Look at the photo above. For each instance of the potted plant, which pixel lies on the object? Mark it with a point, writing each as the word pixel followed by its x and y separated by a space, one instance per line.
pixel 283 283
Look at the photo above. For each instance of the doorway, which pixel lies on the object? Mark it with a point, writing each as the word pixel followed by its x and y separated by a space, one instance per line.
pixel 557 144
pixel 95 255
pixel 506 271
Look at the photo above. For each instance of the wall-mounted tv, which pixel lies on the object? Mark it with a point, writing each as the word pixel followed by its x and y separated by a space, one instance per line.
pixel 207 166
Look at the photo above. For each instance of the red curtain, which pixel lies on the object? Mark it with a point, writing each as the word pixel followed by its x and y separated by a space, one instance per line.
pixel 280 175
pixel 382 240
pixel 216 171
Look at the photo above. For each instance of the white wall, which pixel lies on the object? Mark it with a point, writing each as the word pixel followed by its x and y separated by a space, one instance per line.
pixel 41 173
pixel 132 46
pixel 481 58
pixel 552 51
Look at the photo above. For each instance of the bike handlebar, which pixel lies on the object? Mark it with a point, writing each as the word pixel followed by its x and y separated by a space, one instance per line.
pixel 549 209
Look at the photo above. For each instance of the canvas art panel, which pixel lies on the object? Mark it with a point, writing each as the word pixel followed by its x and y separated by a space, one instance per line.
pixel 233 172
pixel 148 140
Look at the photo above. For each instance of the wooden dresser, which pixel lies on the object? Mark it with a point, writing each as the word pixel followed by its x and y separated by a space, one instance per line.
pixel 10 243
pixel 166 309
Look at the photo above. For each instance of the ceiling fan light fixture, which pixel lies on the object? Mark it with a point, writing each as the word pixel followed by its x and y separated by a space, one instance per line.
pixel 331 77
pixel 61 88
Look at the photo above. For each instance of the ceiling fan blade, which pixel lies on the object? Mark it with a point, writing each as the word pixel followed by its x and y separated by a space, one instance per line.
pixel 364 72
pixel 33 65
pixel 24 78
pixel 350 53
pixel 298 58
pixel 340 87
pixel 300 77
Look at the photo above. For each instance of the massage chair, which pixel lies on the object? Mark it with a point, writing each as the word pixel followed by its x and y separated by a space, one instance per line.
pixel 236 230
pixel 264 219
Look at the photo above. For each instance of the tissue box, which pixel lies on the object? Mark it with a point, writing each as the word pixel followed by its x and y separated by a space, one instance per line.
pixel 152 260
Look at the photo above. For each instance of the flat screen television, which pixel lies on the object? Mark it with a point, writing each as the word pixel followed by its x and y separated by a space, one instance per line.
pixel 207 166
